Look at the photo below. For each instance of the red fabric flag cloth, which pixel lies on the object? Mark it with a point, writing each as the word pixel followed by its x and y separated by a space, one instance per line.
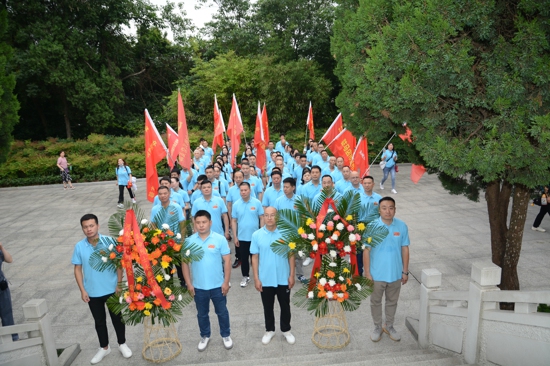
pixel 407 135
pixel 309 122
pixel 234 130
pixel 335 128
pixel 265 125
pixel 417 171
pixel 219 127
pixel 361 157
pixel 344 145
pixel 173 146
pixel 184 153
pixel 155 151
pixel 259 141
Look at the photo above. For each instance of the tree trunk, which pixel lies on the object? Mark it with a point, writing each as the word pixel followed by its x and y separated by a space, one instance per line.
pixel 497 196
pixel 66 116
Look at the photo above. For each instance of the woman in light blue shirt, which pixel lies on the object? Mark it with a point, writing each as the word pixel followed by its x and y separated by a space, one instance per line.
pixel 124 176
pixel 390 157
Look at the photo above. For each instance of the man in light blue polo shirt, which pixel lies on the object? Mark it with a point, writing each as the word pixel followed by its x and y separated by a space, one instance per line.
pixel 174 196
pixel 216 184
pixel 167 209
pixel 369 205
pixel 387 264
pixel 330 192
pixel 247 215
pixel 215 206
pixel 256 184
pixel 273 192
pixel 311 188
pixel 210 279
pixel 336 173
pixel 281 144
pixel 97 286
pixel 273 276
pixel 208 152
pixel 344 184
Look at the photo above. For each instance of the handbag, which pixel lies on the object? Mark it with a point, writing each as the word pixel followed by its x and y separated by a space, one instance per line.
pixel 396 168
pixel 382 164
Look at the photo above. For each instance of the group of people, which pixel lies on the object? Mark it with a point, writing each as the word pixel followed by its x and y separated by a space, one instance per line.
pixel 241 207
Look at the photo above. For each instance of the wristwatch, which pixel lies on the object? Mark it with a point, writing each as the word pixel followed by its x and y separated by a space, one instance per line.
pixel 405 273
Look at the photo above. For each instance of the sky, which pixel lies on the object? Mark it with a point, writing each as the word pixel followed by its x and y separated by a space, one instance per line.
pixel 198 16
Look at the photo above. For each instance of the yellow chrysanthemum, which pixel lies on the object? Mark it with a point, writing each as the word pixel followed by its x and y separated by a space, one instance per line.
pixel 167 291
pixel 157 232
pixel 301 230
pixel 148 306
pixel 317 274
pixel 345 270
pixel 369 240
pixel 146 312
pixel 164 264
pixel 349 217
pixel 139 279
pixel 309 221
pixel 361 226
pixel 159 278
pixel 292 245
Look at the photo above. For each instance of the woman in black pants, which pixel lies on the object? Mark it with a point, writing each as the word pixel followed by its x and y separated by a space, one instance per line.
pixel 544 209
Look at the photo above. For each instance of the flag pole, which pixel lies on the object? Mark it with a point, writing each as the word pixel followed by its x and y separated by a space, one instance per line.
pixel 384 148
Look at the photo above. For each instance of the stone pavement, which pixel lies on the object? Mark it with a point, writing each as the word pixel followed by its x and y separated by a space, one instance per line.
pixel 40 226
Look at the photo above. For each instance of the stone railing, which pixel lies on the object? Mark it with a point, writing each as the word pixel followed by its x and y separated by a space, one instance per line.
pixel 471 324
pixel 36 345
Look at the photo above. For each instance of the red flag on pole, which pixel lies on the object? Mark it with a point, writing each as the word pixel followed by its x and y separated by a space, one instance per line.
pixel 234 130
pixel 344 145
pixel 155 151
pixel 361 157
pixel 335 128
pixel 309 122
pixel 407 135
pixel 417 171
pixel 183 137
pixel 259 141
pixel 265 125
pixel 173 145
pixel 219 127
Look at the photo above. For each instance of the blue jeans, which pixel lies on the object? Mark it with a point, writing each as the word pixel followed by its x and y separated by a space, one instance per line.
pixel 386 172
pixel 202 301
pixel 6 313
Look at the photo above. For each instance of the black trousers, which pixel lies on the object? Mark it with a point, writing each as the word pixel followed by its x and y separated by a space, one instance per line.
pixel 244 256
pixel 268 300
pixel 180 276
pixel 543 211
pixel 97 307
pixel 121 193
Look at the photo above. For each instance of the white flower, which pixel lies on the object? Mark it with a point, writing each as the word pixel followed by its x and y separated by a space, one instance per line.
pixel 126 283
pixel 352 238
pixel 323 227
pixel 347 249
pixel 166 277
pixel 330 295
pixel 358 286
pixel 333 253
pixel 332 282
pixel 180 297
pixel 104 259
pixel 187 253
pixel 363 246
pixel 165 226
pixel 340 226
pixel 111 247
pixel 327 240
pixel 341 278
pixel 301 254
pixel 332 264
pixel 330 210
pixel 340 295
pixel 334 237
pixel 323 281
pixel 144 222
pixel 311 236
pixel 310 295
pixel 120 299
pixel 121 232
pixel 178 236
pixel 315 247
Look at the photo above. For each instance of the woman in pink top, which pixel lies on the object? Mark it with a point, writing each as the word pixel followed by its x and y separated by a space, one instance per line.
pixel 64 167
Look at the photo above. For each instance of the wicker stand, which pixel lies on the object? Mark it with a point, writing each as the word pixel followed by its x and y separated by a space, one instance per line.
pixel 160 343
pixel 331 331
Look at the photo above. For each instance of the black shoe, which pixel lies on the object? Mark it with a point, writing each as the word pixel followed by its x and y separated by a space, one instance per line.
pixel 236 263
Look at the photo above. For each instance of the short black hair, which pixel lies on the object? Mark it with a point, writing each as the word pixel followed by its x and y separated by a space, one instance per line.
pixel 89 217
pixel 368 177
pixel 165 179
pixel 209 167
pixel 290 181
pixel 387 198
pixel 201 177
pixel 327 175
pixel 276 172
pixel 244 184
pixel 162 187
pixel 205 181
pixel 203 213
pixel 316 167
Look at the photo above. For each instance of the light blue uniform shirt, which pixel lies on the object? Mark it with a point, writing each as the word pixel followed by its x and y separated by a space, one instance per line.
pixel 284 202
pixel 312 156
pixel 183 194
pixel 218 186
pixel 297 173
pixel 271 195
pixel 216 207
pixel 183 179
pixel 173 209
pixel 273 269
pixel 175 197
pixel 310 190
pixel 199 165
pixel 198 194
pixel 336 175
pixel 368 202
pixel 256 185
pixel 208 272
pixel 234 194
pixel 342 186
pixel 386 262
pixel 208 152
pixel 96 283
pixel 123 175
pixel 334 195
pixel 280 148
pixel 389 158
pixel 247 215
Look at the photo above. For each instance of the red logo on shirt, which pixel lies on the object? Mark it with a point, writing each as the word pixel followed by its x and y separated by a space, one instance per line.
pixel 215 206
pixel 211 246
pixel 252 184
pixel 171 212
pixel 376 203
pixel 253 208
pixel 396 233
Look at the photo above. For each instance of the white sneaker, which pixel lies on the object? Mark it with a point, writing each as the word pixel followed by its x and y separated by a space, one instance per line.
pixel 306 262
pixel 245 281
pixel 227 342
pixel 120 205
pixel 376 334
pixel 133 200
pixel 289 337
pixel 125 350
pixel 394 336
pixel 538 229
pixel 267 337
pixel 393 191
pixel 203 343
pixel 100 354
pixel 381 186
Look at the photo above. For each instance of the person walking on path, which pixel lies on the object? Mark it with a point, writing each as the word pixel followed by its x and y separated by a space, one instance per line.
pixel 273 276
pixel 387 265
pixel 64 171
pixel 390 157
pixel 6 311
pixel 97 286
pixel 544 209
pixel 124 180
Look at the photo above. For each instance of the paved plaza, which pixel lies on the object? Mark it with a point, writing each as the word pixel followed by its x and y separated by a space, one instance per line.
pixel 40 226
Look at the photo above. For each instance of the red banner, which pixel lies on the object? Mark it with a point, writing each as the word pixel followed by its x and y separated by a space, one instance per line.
pixel 335 128
pixel 309 122
pixel 260 142
pixel 173 145
pixel 361 157
pixel 155 151
pixel 343 146
pixel 234 130
pixel 219 127
pixel 417 171
pixel 183 136
pixel 265 125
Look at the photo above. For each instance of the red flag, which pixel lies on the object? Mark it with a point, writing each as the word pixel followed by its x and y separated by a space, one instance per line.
pixel 183 137
pixel 173 145
pixel 234 130
pixel 407 135
pixel 219 126
pixel 417 171
pixel 335 128
pixel 361 157
pixel 309 122
pixel 344 145
pixel 265 125
pixel 259 141
pixel 155 151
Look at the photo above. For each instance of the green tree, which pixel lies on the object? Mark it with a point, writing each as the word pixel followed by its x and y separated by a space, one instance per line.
pixel 472 79
pixel 8 101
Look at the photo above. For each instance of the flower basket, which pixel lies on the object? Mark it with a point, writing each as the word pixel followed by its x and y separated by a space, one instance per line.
pixel 330 330
pixel 160 343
